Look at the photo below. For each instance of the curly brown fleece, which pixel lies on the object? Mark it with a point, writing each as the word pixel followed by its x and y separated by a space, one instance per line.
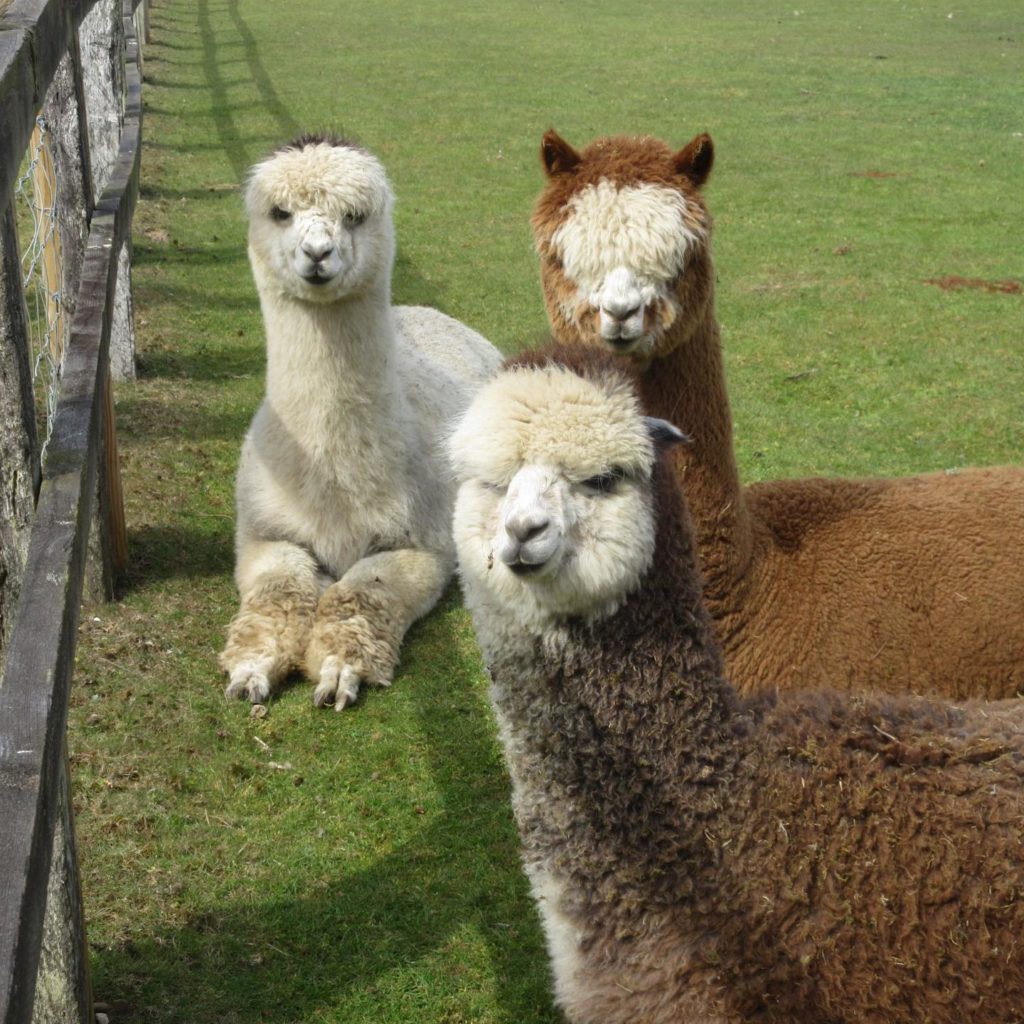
pixel 906 584
pixel 802 858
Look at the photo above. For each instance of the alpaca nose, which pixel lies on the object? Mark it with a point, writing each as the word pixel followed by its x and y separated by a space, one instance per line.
pixel 620 296
pixel 527 526
pixel 318 251
pixel 621 310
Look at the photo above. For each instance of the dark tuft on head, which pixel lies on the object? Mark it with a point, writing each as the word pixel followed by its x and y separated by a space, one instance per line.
pixel 320 139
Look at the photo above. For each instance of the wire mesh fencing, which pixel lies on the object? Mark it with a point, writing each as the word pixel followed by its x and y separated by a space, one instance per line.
pixel 35 197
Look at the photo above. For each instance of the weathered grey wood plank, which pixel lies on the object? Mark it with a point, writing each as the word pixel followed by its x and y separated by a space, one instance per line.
pixel 33 697
pixel 48 24
pixel 40 655
pixel 34 693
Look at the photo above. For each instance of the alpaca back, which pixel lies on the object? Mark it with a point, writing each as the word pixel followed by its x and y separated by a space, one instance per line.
pixel 869 864
pixel 440 363
pixel 468 357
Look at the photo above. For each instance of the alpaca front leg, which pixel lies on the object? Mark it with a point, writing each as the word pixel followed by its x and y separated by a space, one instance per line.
pixel 267 638
pixel 362 619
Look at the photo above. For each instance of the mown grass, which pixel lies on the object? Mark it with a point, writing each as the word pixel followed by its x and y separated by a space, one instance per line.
pixel 363 867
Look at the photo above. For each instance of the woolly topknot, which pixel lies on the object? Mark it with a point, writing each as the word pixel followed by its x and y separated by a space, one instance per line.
pixel 563 407
pixel 334 176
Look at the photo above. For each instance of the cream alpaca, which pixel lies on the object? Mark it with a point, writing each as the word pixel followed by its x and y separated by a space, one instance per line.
pixel 343 532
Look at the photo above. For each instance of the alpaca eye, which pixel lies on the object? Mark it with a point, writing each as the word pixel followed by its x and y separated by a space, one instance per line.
pixel 281 216
pixel 605 483
pixel 353 220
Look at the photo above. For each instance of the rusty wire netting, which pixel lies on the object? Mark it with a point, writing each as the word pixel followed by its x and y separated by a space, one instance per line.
pixel 35 196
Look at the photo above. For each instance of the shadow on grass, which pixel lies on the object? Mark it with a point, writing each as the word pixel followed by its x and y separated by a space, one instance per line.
pixel 229 364
pixel 280 961
pixel 262 143
pixel 216 191
pixel 415 289
pixel 190 255
pixel 268 100
pixel 196 425
pixel 162 553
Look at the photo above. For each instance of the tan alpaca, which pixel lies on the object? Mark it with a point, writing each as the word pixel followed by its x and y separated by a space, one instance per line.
pixel 913 583
pixel 343 534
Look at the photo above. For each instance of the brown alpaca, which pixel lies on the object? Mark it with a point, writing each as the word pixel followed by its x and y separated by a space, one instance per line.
pixel 695 857
pixel 912 583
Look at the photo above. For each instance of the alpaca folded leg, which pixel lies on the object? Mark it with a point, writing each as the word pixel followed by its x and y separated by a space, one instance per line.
pixel 268 635
pixel 362 619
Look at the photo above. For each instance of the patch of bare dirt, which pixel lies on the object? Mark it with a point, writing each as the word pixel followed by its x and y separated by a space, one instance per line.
pixel 953 283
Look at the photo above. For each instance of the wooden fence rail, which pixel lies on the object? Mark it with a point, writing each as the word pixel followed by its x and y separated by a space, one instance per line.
pixel 43 973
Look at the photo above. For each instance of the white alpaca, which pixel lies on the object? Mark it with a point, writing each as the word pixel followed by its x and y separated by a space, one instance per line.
pixel 343 534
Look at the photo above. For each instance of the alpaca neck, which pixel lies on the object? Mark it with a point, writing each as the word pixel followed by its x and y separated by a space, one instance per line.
pixel 620 738
pixel 687 387
pixel 325 361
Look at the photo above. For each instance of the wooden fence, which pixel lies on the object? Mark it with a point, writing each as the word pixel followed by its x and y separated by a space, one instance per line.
pixel 45 536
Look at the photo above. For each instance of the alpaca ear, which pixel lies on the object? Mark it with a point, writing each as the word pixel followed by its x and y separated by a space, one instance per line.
pixel 694 160
pixel 556 154
pixel 664 434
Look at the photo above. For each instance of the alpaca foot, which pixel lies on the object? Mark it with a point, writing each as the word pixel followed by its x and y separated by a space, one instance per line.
pixel 339 685
pixel 249 680
pixel 353 642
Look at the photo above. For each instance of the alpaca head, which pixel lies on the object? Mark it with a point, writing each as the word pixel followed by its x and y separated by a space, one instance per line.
pixel 623 237
pixel 320 221
pixel 554 516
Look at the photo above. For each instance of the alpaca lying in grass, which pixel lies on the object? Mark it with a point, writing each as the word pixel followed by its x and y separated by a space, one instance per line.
pixel 343 533
pixel 913 583
pixel 694 857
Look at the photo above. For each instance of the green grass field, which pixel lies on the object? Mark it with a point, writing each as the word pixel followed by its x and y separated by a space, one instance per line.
pixel 363 867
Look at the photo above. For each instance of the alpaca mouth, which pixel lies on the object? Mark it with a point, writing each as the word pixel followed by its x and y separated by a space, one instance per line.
pixel 316 278
pixel 526 568
pixel 620 344
pixel 623 345
pixel 639 345
pixel 622 337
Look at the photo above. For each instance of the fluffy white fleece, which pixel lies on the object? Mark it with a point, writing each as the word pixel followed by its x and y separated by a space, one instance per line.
pixel 343 532
pixel 641 227
pixel 579 486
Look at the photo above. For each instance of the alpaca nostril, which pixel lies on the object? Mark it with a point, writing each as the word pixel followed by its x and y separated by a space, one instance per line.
pixel 534 531
pixel 621 313
pixel 318 253
pixel 526 528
